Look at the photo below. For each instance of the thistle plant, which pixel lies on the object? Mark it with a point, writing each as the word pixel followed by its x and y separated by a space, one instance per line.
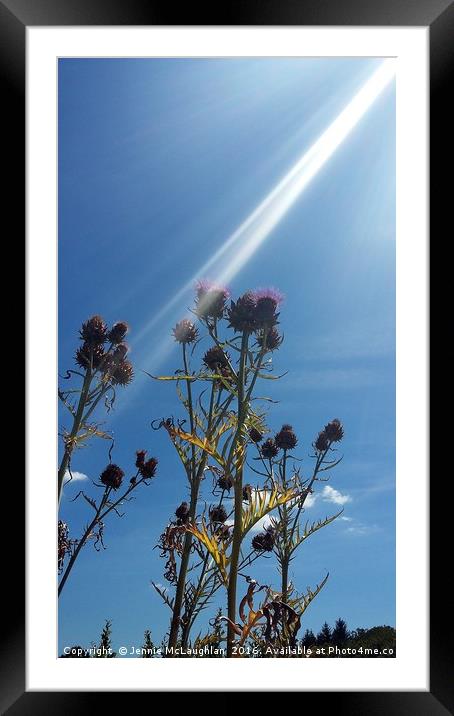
pixel 285 534
pixel 102 367
pixel 111 482
pixel 219 433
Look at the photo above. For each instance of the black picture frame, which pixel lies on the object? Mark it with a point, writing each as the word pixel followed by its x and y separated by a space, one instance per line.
pixel 438 15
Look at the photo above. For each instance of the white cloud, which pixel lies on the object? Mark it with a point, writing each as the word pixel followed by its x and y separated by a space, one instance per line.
pixel 360 530
pixel 329 494
pixel 346 519
pixel 76 476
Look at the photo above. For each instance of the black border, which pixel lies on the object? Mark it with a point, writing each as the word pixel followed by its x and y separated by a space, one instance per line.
pixel 15 16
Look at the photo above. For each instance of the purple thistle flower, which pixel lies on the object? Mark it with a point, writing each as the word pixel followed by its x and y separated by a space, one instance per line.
pixel 267 301
pixel 210 299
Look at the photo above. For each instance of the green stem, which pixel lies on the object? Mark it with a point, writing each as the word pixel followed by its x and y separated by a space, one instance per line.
pixel 238 486
pixel 83 540
pixel 69 447
pixel 195 484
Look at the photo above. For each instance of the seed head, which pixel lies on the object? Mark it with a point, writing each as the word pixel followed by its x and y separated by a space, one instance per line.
pixel 90 353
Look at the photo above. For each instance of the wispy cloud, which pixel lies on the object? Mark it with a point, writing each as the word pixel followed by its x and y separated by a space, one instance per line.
pixel 329 494
pixel 74 476
pixel 361 530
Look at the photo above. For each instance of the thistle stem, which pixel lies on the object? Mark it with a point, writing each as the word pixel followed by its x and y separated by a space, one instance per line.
pixel 75 429
pixel 237 527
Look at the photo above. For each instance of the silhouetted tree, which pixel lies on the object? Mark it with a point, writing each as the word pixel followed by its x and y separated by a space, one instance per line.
pixel 340 632
pixel 324 635
pixel 148 646
pixel 308 639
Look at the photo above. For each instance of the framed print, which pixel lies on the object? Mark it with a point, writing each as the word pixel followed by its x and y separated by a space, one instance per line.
pixel 227 298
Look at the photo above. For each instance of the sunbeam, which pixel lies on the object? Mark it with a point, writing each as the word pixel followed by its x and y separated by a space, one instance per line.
pixel 258 226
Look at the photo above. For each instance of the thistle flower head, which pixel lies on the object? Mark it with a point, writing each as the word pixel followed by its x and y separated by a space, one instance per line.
pixel 269 449
pixel 215 358
pixel 273 339
pixel 148 469
pixel 185 331
pixel 247 492
pixel 182 512
pixel 218 514
pixel 255 435
pixel 225 482
pixel 322 443
pixel 210 299
pixel 122 373
pixel 241 313
pixel 286 438
pixel 140 458
pixel 112 476
pixel 334 430
pixel 267 303
pixel 90 354
pixel 94 331
pixel 264 541
pixel 120 352
pixel 118 332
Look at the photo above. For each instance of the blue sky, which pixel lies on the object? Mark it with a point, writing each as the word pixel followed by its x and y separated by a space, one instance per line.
pixel 159 162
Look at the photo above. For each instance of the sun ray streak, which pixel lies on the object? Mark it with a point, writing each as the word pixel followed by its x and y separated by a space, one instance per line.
pixel 258 226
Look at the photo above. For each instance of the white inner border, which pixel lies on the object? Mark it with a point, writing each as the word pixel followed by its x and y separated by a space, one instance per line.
pixel 409 671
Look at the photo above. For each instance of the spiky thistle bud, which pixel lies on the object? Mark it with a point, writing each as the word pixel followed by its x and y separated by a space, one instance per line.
pixel 247 492
pixel 122 373
pixel 264 541
pixel 334 430
pixel 148 469
pixel 269 449
pixel 140 458
pixel 182 512
pixel 90 354
pixel 225 482
pixel 218 514
pixel 241 313
pixel 255 435
pixel 322 443
pixel 120 352
pixel 118 332
pixel 112 476
pixel 286 438
pixel 273 339
pixel 185 332
pixel 94 331
pixel 215 358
